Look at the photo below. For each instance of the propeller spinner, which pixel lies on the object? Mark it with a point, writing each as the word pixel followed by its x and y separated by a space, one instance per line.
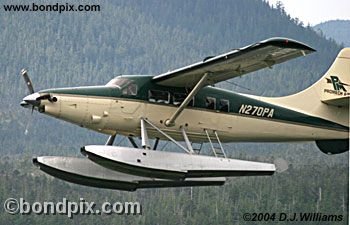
pixel 34 98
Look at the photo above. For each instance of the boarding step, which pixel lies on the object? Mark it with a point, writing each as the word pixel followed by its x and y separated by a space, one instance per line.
pixel 215 144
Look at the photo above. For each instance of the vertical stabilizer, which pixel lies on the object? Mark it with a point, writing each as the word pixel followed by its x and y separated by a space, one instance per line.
pixel 335 88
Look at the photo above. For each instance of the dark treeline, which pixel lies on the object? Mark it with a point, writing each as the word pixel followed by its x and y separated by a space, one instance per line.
pixel 307 188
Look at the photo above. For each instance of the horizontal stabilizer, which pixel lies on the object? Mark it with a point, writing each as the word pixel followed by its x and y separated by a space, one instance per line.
pixel 85 172
pixel 343 101
pixel 172 165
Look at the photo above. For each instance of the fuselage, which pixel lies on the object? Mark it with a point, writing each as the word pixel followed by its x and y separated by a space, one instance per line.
pixel 117 108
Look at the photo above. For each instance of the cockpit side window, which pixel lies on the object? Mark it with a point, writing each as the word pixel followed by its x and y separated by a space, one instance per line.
pixel 130 89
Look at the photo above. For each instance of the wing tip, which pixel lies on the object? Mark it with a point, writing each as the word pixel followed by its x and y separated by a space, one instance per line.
pixel 288 43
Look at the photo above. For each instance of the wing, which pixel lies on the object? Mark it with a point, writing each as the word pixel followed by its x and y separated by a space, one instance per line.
pixel 235 63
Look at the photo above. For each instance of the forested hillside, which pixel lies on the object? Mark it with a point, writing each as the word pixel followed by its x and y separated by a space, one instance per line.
pixel 136 37
pixel 339 30
pixel 309 188
pixel 151 37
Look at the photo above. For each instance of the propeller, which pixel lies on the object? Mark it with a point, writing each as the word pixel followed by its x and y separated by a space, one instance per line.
pixel 33 100
pixel 27 101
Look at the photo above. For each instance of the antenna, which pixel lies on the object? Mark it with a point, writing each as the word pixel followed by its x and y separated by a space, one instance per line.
pixel 237 85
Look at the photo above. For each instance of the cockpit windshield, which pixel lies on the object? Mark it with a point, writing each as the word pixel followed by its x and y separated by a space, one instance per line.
pixel 119 82
pixel 127 86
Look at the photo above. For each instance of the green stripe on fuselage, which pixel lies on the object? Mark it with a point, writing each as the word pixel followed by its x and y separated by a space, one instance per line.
pixel 238 104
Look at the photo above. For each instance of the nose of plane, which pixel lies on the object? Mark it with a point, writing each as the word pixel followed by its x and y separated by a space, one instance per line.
pixel 32 99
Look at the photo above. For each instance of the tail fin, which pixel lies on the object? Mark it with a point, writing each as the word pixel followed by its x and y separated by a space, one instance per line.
pixel 335 85
pixel 335 88
pixel 327 99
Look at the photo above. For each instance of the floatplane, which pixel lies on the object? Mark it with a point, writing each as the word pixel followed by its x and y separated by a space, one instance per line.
pixel 182 106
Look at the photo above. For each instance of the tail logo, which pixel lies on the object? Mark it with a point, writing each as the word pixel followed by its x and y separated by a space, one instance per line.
pixel 338 86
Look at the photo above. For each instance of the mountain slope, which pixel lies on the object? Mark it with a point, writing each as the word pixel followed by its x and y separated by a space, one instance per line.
pixel 136 37
pixel 339 30
pixel 150 37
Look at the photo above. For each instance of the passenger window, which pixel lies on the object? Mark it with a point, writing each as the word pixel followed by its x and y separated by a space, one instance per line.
pixel 159 96
pixel 178 98
pixel 224 105
pixel 210 103
pixel 131 89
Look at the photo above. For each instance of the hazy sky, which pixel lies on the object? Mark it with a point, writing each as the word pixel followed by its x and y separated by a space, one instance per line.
pixel 316 11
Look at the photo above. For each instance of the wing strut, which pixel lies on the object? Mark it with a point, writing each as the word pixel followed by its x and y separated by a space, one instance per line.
pixel 171 122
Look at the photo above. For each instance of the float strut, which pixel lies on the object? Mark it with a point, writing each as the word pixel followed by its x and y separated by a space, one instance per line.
pixel 110 140
pixel 144 137
pixel 132 141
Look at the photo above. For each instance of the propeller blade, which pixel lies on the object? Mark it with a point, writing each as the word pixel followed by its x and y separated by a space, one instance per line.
pixel 28 81
pixel 28 124
pixel 29 101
